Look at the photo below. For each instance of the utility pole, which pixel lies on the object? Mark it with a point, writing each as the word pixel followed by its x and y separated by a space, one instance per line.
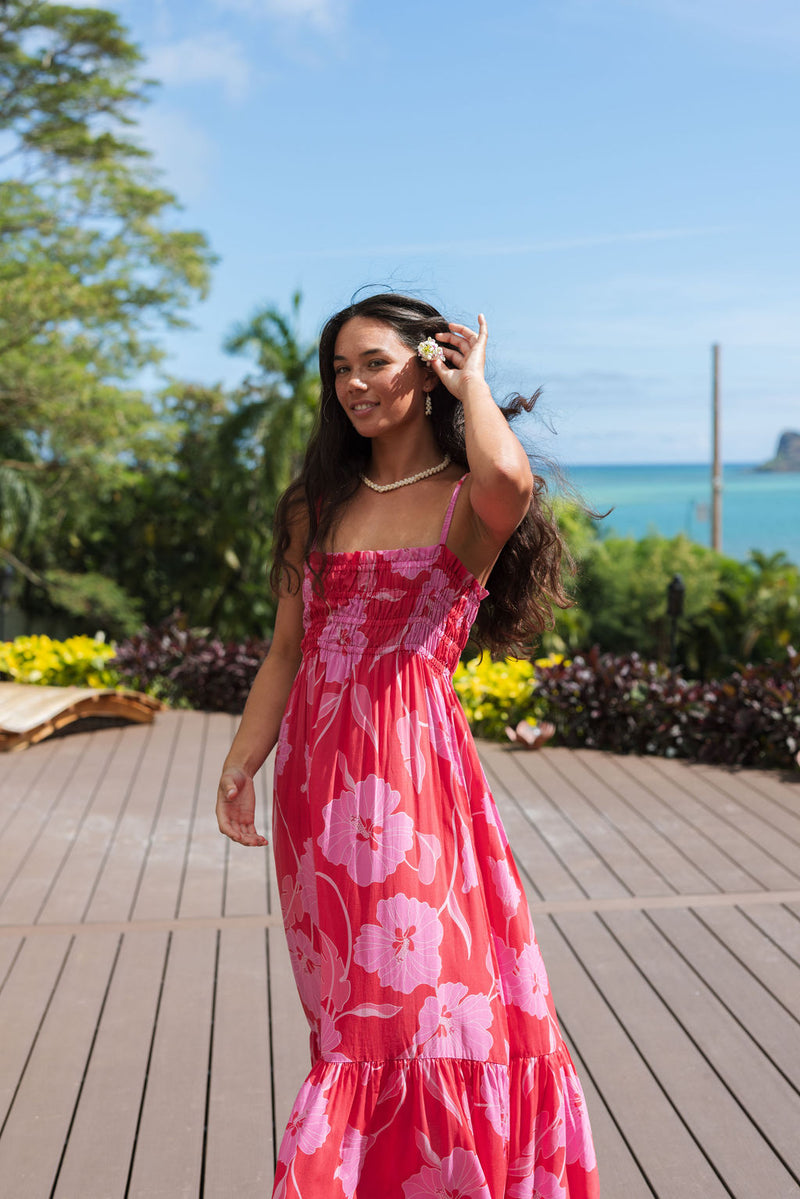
pixel 716 467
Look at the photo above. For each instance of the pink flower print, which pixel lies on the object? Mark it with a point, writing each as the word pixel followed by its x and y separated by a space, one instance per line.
pixel 282 753
pixel 578 1131
pixel 496 1100
pixel 454 1023
pixel 492 818
pixel 507 890
pixel 458 1176
pixel 299 894
pixel 537 1184
pixel 468 866
pixel 354 1150
pixel 403 947
pixel 329 1036
pixel 523 978
pixel 436 598
pixel 364 833
pixel 409 567
pixel 308 1125
pixel 306 964
pixel 307 882
pixel 341 643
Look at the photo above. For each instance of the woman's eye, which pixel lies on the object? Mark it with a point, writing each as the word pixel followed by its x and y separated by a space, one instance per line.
pixel 340 370
pixel 377 362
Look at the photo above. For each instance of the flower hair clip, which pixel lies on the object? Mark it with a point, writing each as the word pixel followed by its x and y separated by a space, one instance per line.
pixel 429 350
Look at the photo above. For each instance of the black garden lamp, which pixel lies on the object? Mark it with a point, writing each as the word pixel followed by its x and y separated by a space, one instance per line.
pixel 676 592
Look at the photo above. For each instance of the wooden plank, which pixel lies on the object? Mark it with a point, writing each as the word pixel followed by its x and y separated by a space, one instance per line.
pixel 240 1151
pixel 618 1169
pixel 290 1036
pixel 40 1116
pixel 19 775
pixel 781 787
pixel 779 804
pixel 169 1148
pixel 159 889
pixel 780 845
pixel 201 891
pixel 118 879
pixel 768 1024
pixel 27 990
pixel 708 1064
pixel 588 771
pixel 73 883
pixel 544 874
pixel 657 1132
pixel 778 923
pixel 100 1146
pixel 27 825
pixel 671 810
pixel 621 857
pixel 748 860
pixel 759 953
pixel 24 898
pixel 248 871
pixel 573 849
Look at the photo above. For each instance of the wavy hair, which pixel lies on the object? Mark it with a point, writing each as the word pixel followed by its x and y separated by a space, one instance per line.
pixel 526 580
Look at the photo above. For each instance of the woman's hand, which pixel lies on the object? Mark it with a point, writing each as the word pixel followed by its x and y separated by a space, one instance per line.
pixel 465 357
pixel 236 807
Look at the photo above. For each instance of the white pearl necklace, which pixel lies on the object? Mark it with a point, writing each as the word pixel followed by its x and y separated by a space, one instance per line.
pixel 422 474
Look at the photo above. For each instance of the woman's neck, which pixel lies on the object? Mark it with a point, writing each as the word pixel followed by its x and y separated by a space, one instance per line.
pixel 397 458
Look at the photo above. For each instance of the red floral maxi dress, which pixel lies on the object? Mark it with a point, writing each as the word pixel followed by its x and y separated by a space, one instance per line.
pixel 438 1070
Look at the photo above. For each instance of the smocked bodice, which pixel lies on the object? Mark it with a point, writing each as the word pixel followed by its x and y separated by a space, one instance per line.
pixel 376 602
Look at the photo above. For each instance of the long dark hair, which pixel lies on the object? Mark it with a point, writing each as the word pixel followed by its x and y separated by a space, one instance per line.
pixel 526 579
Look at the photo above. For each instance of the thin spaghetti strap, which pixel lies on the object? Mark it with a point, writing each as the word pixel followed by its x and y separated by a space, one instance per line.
pixel 448 516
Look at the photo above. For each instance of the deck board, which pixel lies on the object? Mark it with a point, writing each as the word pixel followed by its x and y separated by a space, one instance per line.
pixel 152 1041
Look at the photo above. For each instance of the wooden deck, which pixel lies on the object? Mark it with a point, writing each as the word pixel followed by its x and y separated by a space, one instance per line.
pixel 151 1041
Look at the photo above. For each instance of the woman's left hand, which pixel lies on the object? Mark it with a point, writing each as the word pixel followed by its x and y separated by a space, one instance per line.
pixel 465 357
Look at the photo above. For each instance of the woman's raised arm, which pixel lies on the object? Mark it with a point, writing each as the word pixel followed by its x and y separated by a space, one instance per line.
pixel 501 483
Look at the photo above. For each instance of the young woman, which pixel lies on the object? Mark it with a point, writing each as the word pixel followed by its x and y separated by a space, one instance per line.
pixel 438 1068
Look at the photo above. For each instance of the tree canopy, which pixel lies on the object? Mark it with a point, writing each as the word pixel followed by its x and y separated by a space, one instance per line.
pixel 92 267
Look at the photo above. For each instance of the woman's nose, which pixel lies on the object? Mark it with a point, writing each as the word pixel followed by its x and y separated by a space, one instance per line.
pixel 357 384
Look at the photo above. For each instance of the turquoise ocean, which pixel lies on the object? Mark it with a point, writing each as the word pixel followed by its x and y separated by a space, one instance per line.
pixel 759 511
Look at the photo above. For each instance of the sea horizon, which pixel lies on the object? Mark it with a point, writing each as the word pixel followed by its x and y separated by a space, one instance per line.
pixel 760 509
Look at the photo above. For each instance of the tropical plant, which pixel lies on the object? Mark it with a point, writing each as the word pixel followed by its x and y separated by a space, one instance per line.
pixel 275 407
pixel 90 268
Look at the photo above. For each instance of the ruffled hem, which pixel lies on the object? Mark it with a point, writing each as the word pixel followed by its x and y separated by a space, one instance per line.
pixel 420 1127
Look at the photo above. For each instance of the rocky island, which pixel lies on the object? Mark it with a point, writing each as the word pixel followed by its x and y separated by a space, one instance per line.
pixel 787 455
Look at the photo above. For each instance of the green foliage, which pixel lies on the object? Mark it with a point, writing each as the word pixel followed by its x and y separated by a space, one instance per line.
pixel 90 269
pixel 734 611
pixel 76 662
pixel 190 529
pixel 496 694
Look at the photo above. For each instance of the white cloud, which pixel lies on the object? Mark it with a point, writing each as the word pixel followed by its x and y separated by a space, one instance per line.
pixel 182 149
pixel 325 15
pixel 206 58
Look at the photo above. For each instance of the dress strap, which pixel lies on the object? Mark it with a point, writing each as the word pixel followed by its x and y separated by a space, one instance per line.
pixel 448 516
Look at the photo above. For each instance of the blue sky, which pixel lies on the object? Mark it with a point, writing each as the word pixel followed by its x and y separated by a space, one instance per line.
pixel 615 183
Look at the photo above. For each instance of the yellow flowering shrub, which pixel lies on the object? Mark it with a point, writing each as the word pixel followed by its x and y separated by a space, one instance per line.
pixel 496 694
pixel 76 662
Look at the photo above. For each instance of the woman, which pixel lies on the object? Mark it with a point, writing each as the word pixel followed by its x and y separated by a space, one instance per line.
pixel 437 1063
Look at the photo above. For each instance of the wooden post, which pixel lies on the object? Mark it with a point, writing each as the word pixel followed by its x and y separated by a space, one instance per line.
pixel 716 467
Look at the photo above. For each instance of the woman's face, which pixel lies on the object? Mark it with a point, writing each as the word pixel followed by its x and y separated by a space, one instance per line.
pixel 380 382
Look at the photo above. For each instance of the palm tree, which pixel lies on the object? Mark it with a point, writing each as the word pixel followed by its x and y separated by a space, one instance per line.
pixel 277 406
